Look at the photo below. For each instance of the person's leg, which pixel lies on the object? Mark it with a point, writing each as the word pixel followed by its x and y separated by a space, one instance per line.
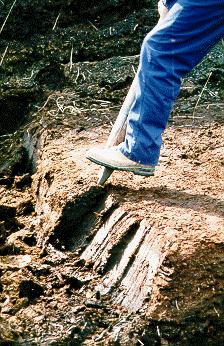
pixel 168 52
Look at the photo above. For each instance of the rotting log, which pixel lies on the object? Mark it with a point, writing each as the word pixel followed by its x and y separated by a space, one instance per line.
pixel 154 250
pixel 83 217
pixel 130 255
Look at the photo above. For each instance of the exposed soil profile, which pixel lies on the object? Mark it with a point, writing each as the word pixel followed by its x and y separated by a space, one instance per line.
pixel 139 261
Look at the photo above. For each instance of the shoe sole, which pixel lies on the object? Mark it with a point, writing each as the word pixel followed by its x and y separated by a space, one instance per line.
pixel 138 171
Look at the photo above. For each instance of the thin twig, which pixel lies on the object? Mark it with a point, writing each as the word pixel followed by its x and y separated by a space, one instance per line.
pixel 185 117
pixel 3 56
pixel 218 314
pixel 133 68
pixel 10 10
pixel 135 27
pixel 98 100
pixel 71 55
pixel 55 23
pixel 78 73
pixel 199 98
pixel 177 306
pixel 99 109
pixel 93 25
pixel 192 126
pixel 206 105
pixel 60 107
pixel 44 105
pixel 111 123
pixel 130 57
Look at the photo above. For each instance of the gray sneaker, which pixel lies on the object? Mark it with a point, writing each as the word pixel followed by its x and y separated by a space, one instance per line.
pixel 112 158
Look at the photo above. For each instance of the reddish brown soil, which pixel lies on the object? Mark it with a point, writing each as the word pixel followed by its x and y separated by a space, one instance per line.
pixel 183 208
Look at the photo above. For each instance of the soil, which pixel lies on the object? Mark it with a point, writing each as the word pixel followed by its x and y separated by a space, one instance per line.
pixel 138 261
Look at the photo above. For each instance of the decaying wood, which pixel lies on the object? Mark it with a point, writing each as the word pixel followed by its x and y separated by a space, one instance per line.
pixel 131 268
pixel 75 215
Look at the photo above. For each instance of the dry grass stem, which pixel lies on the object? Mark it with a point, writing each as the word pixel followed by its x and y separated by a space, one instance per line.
pixel 158 331
pixel 106 116
pixel 186 117
pixel 200 95
pixel 130 57
pixel 217 313
pixel 71 55
pixel 208 105
pixel 103 101
pixel 93 25
pixel 3 56
pixel 78 73
pixel 133 68
pixel 44 105
pixel 10 10
pixel 56 21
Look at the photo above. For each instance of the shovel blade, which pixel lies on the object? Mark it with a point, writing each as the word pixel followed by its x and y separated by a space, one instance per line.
pixel 105 173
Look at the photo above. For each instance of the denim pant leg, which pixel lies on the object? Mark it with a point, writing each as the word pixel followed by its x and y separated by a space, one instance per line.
pixel 169 51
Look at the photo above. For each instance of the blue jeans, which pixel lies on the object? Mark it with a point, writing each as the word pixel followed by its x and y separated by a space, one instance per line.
pixel 168 53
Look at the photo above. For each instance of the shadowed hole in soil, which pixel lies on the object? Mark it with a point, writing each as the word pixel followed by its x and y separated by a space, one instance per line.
pixel 25 208
pixel 24 181
pixel 22 163
pixel 75 283
pixel 13 113
pixel 6 250
pixel 78 219
pixel 6 181
pixel 118 85
pixel 39 270
pixel 52 76
pixel 8 225
pixel 30 289
pixel 30 240
pixel 7 212
pixel 17 164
